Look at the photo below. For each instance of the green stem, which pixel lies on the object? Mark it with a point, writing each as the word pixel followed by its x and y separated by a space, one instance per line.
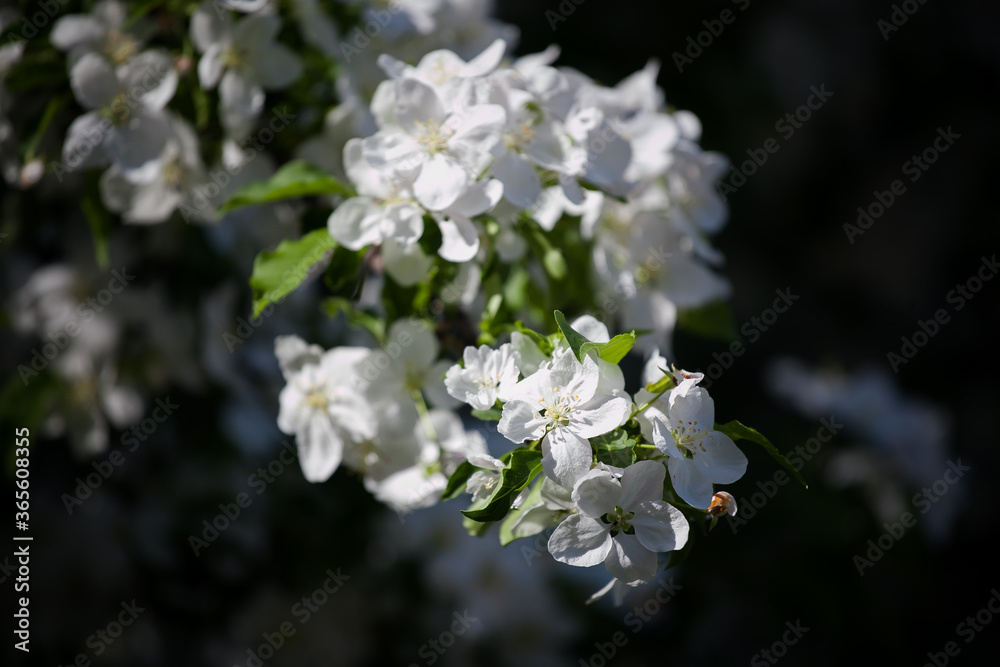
pixel 425 416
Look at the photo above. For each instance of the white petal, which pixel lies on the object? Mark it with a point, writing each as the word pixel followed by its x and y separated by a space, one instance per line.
pixel 722 461
pixel 660 526
pixel 416 105
pixel 93 81
pixel 519 423
pixel 138 146
pixel 441 182
pixel 356 223
pixel 86 141
pixel 522 185
pixel 149 77
pixel 255 30
pixel 600 416
pixel 689 483
pixel 407 265
pixel 477 134
pixel 152 202
pixel 486 61
pixel 74 29
pixel 293 353
pixel 565 456
pixel 208 27
pixel 459 239
pixel 392 150
pixel 597 493
pixel 321 448
pixel 240 96
pixel 642 481
pixel 478 198
pixel 210 67
pixel 580 541
pixel 629 561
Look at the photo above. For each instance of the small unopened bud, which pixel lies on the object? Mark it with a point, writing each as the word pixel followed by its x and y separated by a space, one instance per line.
pixel 722 502
pixel 183 64
pixel 31 173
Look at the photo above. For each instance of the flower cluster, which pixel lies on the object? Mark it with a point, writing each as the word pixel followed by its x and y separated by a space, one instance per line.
pixel 477 146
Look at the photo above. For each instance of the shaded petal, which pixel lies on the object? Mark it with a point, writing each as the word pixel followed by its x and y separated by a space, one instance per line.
pixel 565 456
pixel 522 185
pixel 478 198
pixel 321 448
pixel 208 27
pixel 629 561
pixel 518 422
pixel 580 541
pixel 137 147
pixel 642 481
pixel 210 67
pixel 416 104
pixel 152 202
pixel 356 223
pixel 660 526
pixel 597 493
pixel 254 31
pixel 86 141
pixel 150 78
pixel 689 483
pixel 93 81
pixel 239 95
pixel 74 29
pixel 407 265
pixel 391 150
pixel 722 461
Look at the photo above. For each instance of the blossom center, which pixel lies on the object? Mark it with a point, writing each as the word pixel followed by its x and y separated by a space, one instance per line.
pixel 431 137
pixel 118 46
pixel 317 399
pixel 620 521
pixel 688 437
pixel 557 405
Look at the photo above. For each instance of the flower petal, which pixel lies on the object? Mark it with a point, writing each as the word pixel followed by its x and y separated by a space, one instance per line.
pixel 722 461
pixel 93 81
pixel 580 541
pixel 356 223
pixel 642 481
pixel 597 493
pixel 459 239
pixel 660 526
pixel 565 456
pixel 441 182
pixel 629 561
pixel 599 416
pixel 689 483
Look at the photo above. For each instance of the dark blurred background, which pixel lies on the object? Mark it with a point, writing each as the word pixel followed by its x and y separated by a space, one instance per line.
pixel 794 560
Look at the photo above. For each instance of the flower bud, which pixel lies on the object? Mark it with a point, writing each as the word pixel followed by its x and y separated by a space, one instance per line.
pixel 722 502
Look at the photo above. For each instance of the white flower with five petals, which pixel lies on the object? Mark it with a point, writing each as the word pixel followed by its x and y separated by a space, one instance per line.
pixel 622 523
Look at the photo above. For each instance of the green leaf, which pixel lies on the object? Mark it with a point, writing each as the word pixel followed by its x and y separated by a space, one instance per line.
pixel 491 415
pixel 456 483
pixel 713 320
pixel 615 448
pixel 738 431
pixel 543 343
pixel 575 340
pixel 295 179
pixel 614 350
pixel 277 273
pixel 664 383
pixel 554 263
pixel 525 464
pixel 507 525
